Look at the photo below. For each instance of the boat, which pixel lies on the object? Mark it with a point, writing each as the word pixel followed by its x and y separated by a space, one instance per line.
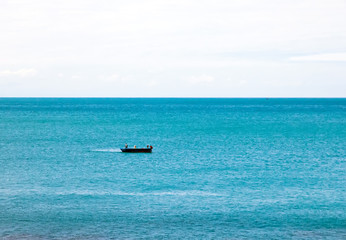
pixel 137 150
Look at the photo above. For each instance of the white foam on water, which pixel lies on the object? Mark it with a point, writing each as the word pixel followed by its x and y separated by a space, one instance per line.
pixel 107 150
pixel 109 193
pixel 120 193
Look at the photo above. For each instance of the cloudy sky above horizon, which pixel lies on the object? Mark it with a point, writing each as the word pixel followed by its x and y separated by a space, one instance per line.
pixel 180 48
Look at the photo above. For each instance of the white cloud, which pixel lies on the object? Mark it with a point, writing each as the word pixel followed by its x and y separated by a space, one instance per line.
pixel 201 79
pixel 321 57
pixel 24 72
pixel 153 44
pixel 114 78
pixel 152 83
pixel 75 77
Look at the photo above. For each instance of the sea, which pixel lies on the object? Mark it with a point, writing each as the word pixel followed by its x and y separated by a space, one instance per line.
pixel 221 168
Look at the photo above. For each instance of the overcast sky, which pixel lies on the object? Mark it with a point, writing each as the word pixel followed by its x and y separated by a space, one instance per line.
pixel 178 48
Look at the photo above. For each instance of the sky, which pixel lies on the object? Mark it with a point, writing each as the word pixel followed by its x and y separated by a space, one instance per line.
pixel 172 48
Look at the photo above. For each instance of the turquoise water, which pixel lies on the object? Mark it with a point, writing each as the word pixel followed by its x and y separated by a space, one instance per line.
pixel 220 169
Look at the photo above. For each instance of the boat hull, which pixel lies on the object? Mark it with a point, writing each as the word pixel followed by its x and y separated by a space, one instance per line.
pixel 136 150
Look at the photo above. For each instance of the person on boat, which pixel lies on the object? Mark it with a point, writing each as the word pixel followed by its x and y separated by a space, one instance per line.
pixel 126 145
pixel 135 146
pixel 151 147
pixel 147 146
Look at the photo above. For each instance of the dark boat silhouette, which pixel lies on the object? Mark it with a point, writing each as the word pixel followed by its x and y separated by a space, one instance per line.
pixel 137 150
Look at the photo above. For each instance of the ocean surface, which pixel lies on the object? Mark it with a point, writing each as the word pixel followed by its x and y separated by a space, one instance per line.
pixel 220 168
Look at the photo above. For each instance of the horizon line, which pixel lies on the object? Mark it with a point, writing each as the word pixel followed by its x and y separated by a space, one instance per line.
pixel 199 97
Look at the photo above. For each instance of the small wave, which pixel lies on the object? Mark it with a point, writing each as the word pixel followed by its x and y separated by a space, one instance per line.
pixel 120 193
pixel 107 150
pixel 109 193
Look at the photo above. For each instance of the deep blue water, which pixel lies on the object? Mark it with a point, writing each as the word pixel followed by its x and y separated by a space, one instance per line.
pixel 220 169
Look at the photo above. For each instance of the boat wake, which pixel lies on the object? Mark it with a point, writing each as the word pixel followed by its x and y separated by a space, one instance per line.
pixel 107 150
